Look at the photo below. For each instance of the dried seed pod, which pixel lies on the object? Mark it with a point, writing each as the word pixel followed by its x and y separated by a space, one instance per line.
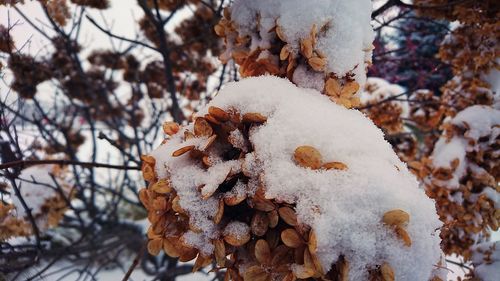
pixel 387 272
pixel 202 128
pixel 288 215
pixel 170 128
pixel 291 238
pixel 182 150
pixel 307 157
pixel 403 234
pixel 263 252
pixel 334 166
pixel 396 217
pixel 253 117
pixel 218 114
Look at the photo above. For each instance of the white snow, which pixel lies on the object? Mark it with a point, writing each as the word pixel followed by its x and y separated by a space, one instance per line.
pixel 35 188
pixel 346 39
pixel 343 207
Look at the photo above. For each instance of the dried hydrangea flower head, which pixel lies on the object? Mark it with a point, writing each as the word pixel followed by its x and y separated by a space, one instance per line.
pixel 259 186
pixel 462 175
pixel 47 206
pixel 324 45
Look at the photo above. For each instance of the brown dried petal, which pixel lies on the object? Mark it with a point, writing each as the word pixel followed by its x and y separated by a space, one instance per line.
pixel 317 63
pixel 255 273
pixel 273 218
pixel 291 238
pixel 170 249
pixel 220 212
pixel 263 252
pixel 220 252
pixel 333 87
pixel 306 47
pixel 307 157
pixel 154 246
pixel 403 234
pixel 349 89
pixel 162 186
pixel 182 150
pixel 334 165
pixel 396 217
pixel 288 215
pixel 218 113
pixel 387 272
pixel 254 117
pixel 260 223
pixel 170 128
pixel 202 128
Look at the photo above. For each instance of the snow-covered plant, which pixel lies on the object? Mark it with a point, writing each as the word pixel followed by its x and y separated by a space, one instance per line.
pixel 273 182
pixel 32 199
pixel 320 44
pixel 462 174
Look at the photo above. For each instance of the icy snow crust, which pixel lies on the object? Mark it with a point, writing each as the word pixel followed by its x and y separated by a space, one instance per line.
pixel 343 207
pixel 346 43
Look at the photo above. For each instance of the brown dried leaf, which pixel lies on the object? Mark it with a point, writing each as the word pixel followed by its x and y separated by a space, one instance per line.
pixel 307 157
pixel 285 52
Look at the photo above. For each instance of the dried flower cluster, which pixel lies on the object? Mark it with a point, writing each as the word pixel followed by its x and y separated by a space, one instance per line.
pixel 465 187
pixel 208 198
pixel 269 45
pixel 47 206
pixel 10 225
pixel 463 171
